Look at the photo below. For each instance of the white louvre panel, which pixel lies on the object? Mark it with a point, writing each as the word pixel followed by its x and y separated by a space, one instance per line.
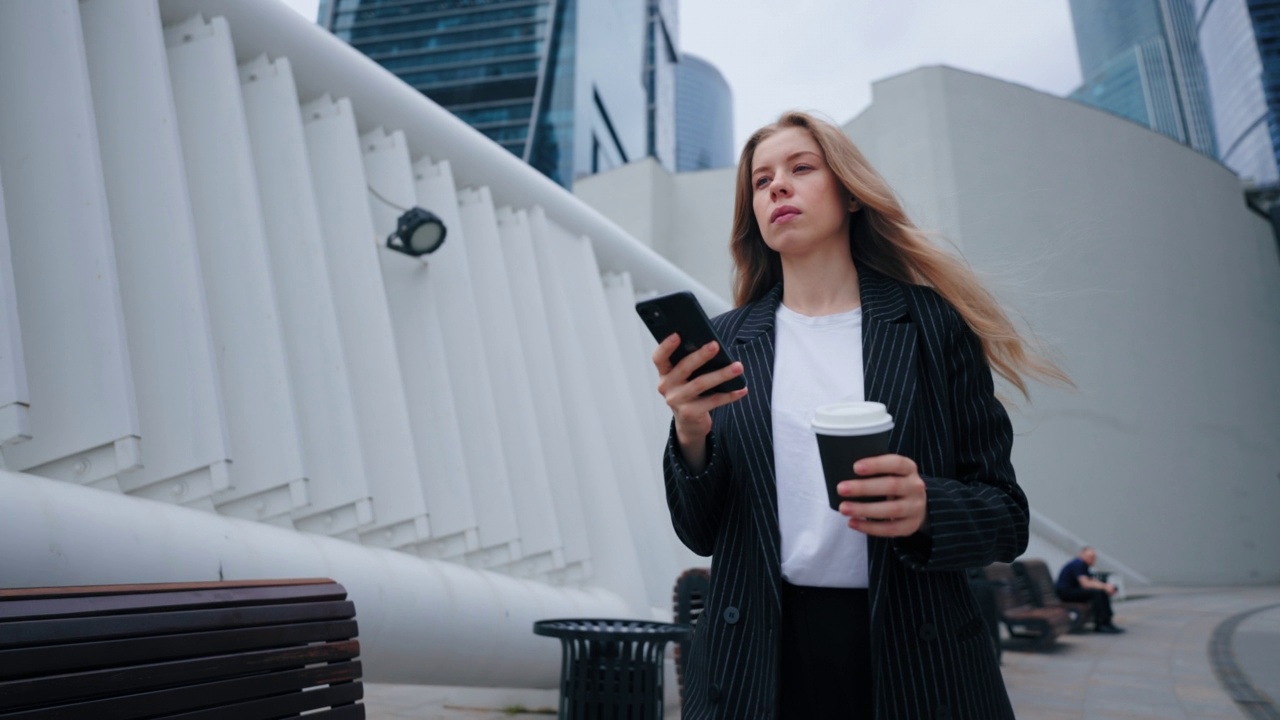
pixel 267 476
pixel 639 472
pixel 540 363
pixel 420 347
pixel 167 322
pixel 477 418
pixel 658 403
pixel 15 427
pixel 613 547
pixel 83 422
pixel 336 487
pixel 637 346
pixel 509 377
pixel 395 479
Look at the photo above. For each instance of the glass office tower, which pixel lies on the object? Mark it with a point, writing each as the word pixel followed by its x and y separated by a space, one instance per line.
pixel 1240 40
pixel 704 116
pixel 564 84
pixel 1140 59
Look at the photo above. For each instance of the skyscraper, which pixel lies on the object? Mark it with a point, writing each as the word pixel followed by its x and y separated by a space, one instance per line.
pixel 704 116
pixel 1240 40
pixel 1140 59
pixel 553 81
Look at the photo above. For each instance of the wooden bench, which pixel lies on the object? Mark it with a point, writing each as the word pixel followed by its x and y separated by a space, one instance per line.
pixel 1035 574
pixel 196 651
pixel 1019 615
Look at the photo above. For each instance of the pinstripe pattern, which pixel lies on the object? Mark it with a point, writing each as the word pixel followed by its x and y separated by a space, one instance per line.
pixel 929 644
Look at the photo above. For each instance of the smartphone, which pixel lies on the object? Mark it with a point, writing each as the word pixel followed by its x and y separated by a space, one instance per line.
pixel 681 313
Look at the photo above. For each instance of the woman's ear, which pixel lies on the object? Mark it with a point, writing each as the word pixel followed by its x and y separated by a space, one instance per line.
pixel 854 205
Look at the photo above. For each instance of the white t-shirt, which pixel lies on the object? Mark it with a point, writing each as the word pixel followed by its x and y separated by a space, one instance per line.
pixel 817 360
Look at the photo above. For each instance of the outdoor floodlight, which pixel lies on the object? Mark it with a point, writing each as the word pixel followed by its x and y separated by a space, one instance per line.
pixel 418 232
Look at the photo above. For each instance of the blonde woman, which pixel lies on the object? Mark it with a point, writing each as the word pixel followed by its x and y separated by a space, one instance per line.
pixel 866 612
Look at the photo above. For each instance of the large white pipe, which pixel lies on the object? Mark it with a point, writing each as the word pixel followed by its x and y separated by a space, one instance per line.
pixel 324 64
pixel 421 621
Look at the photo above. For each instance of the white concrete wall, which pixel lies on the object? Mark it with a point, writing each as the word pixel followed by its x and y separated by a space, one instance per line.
pixel 1138 260
pixel 1135 258
pixel 685 217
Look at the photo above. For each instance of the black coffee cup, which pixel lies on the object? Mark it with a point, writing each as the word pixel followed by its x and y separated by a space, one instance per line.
pixel 848 432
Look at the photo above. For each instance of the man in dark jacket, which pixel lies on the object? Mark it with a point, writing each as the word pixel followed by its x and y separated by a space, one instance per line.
pixel 1077 584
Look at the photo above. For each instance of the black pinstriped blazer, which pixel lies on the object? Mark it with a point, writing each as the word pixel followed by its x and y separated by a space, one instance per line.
pixel 930 650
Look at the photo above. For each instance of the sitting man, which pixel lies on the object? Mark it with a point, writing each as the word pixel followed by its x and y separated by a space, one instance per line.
pixel 1077 584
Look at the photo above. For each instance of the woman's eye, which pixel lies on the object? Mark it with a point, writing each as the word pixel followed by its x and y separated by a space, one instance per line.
pixel 800 168
pixel 760 181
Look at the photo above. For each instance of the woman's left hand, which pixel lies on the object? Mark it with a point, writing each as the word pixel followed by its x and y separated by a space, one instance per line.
pixel 894 477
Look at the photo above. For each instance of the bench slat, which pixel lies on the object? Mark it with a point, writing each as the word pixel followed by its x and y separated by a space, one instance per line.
pixel 30 662
pixel 96 683
pixel 284 705
pixel 198 697
pixel 31 609
pixel 140 588
pixel 83 629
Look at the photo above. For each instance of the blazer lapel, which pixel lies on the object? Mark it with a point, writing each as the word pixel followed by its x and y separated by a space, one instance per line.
pixel 753 345
pixel 888 352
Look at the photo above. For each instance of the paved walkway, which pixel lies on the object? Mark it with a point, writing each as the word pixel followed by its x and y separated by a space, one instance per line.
pixel 1160 669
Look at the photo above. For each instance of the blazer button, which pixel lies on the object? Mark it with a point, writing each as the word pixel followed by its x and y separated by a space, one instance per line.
pixel 714 694
pixel 928 633
pixel 731 615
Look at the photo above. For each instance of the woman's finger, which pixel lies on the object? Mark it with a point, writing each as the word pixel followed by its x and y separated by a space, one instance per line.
pixel 703 383
pixel 885 465
pixel 662 356
pixel 694 360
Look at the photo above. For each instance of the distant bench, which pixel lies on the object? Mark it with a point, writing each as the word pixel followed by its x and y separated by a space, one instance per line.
pixel 1018 611
pixel 200 651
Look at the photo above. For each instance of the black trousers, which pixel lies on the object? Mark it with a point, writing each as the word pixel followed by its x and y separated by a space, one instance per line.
pixel 1099 599
pixel 825 654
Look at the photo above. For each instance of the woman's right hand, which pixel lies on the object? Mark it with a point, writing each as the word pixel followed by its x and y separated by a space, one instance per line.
pixel 692 412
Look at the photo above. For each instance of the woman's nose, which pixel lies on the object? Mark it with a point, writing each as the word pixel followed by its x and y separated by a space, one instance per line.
pixel 780 189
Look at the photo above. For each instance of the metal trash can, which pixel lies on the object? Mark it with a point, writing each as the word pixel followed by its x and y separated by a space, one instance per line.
pixel 611 669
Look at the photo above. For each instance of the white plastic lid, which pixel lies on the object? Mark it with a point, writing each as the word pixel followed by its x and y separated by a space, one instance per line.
pixel 852 418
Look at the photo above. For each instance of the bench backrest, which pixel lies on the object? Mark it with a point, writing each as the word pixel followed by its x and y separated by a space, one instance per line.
pixel 241 650
pixel 1035 573
pixel 1010 592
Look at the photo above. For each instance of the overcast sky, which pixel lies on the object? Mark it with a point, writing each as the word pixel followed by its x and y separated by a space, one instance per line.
pixel 823 55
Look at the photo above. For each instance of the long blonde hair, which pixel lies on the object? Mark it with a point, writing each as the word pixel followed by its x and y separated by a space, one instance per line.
pixel 882 238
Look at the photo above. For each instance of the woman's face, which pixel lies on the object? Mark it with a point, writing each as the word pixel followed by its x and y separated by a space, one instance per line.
pixel 798 202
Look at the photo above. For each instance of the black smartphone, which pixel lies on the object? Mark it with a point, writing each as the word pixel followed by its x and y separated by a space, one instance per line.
pixel 681 313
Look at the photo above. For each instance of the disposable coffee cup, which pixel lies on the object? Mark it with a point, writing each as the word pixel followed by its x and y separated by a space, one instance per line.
pixel 848 432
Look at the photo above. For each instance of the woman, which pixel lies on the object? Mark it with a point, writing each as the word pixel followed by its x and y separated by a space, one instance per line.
pixel 866 612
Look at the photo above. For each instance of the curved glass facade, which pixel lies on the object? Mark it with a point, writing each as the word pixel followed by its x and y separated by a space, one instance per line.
pixel 704 116
pixel 1238 83
pixel 553 81
pixel 1140 59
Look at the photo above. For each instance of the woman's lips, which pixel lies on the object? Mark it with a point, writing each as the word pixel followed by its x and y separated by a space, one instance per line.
pixel 783 214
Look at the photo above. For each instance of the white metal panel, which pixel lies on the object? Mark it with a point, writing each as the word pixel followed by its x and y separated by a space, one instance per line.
pixel 323 63
pixel 72 326
pixel 450 281
pixel 391 464
pixel 338 492
pixel 636 346
pixel 615 553
pixel 540 363
pixel 510 379
pixel 167 322
pixel 420 345
pixel 15 426
pixel 421 621
pixel 639 472
pixel 267 476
